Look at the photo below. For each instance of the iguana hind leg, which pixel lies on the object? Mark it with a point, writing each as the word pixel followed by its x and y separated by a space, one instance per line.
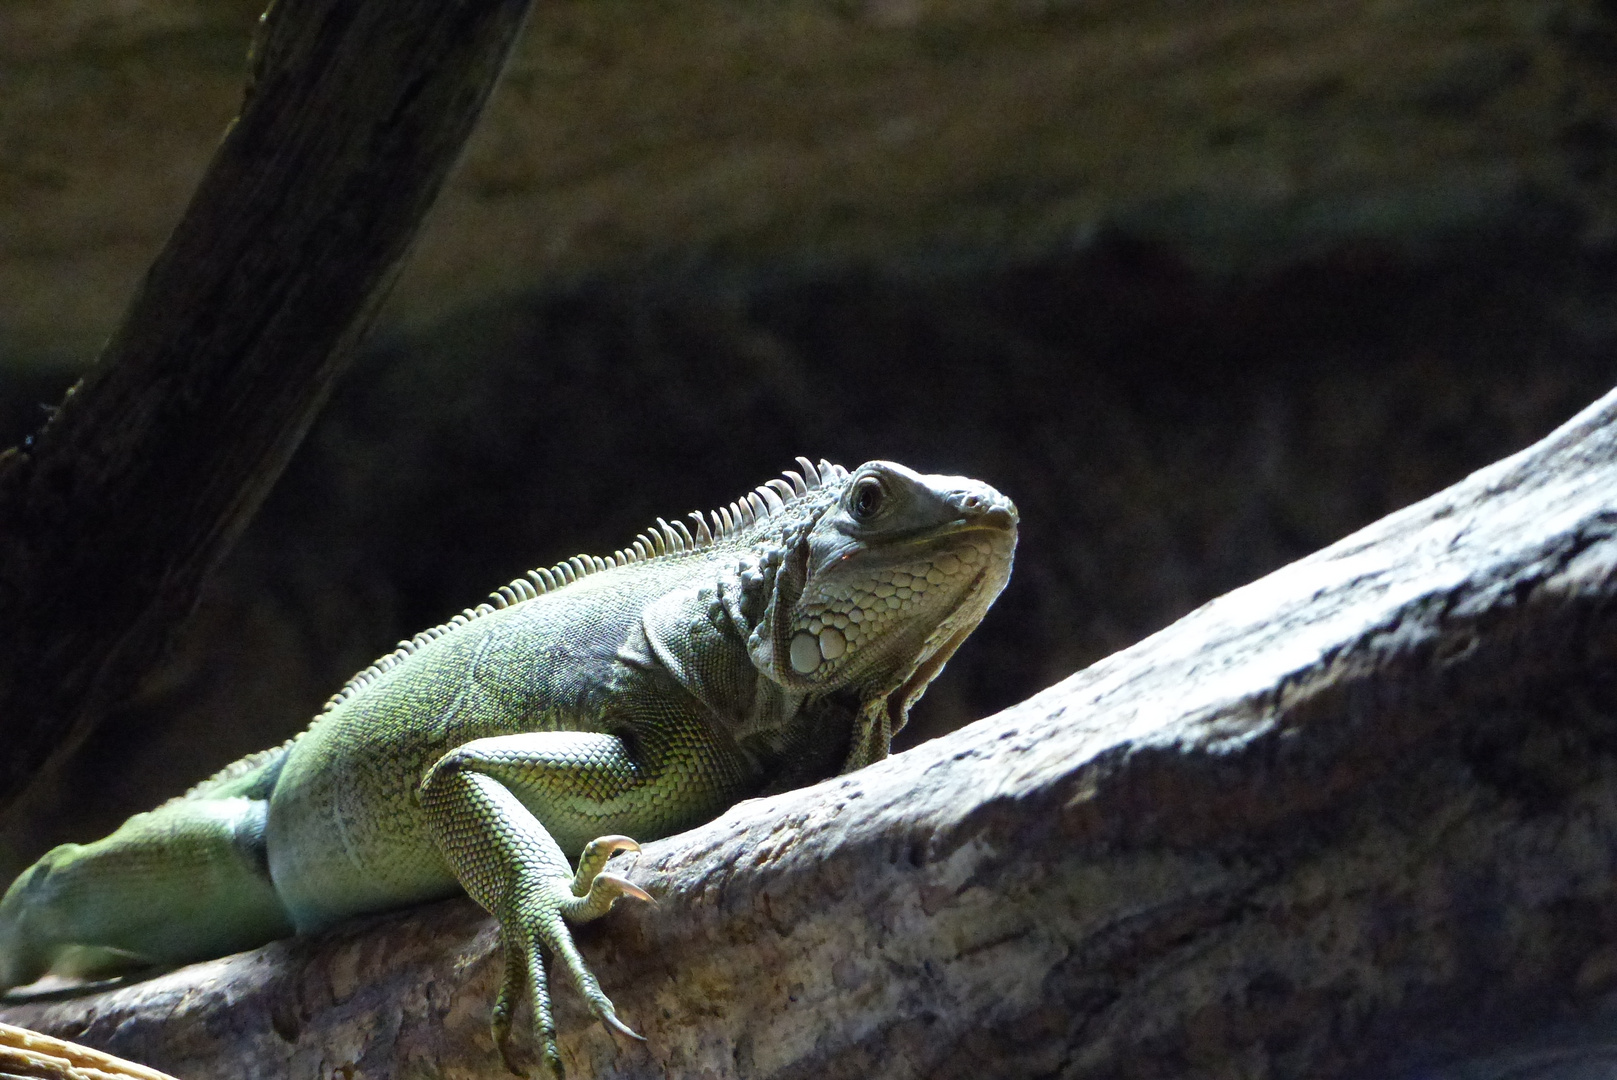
pixel 184 882
pixel 515 865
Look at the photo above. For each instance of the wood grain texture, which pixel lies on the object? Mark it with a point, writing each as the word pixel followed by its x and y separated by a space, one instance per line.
pixel 1357 815
pixel 355 113
pixel 25 1053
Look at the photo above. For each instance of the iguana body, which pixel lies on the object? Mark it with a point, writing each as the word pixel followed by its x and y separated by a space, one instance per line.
pixel 634 695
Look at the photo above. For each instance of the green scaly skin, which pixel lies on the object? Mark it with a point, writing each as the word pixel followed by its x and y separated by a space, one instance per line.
pixel 632 696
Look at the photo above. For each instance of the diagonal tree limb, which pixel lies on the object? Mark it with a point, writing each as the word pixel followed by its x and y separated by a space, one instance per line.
pixel 114 514
pixel 1356 815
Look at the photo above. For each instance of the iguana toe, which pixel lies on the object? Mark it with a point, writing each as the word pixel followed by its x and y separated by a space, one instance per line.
pixel 524 971
pixel 550 1062
pixel 594 859
pixel 594 889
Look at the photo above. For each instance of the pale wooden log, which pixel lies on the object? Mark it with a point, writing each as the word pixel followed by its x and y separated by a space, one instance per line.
pixel 28 1053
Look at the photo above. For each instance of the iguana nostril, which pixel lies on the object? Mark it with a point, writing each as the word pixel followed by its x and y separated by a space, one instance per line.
pixel 1002 517
pixel 994 510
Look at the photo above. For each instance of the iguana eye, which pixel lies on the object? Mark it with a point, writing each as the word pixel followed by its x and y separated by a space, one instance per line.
pixel 866 498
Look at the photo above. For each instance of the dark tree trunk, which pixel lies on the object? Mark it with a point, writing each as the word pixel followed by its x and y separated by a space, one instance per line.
pixel 113 515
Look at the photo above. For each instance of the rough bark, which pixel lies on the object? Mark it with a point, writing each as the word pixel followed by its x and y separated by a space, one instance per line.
pixel 354 114
pixel 1357 815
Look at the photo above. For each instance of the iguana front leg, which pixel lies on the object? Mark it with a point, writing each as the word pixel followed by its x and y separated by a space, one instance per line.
pixel 481 801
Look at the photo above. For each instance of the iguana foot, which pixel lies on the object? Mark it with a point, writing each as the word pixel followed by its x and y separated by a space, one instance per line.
pixel 510 863
pixel 540 918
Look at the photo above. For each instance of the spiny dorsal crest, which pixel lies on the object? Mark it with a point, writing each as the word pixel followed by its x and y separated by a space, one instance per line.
pixel 665 540
pixel 233 771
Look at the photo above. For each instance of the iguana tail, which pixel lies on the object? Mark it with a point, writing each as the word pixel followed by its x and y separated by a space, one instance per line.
pixel 184 882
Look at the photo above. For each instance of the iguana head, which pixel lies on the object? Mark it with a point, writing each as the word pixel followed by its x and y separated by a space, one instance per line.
pixel 873 585
pixel 855 587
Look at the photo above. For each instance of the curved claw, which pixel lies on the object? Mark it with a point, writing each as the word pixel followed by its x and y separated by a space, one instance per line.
pixel 616 842
pixel 610 1019
pixel 625 887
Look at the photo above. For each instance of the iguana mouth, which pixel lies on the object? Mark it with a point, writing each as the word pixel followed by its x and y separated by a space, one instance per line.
pixel 998 526
pixel 902 545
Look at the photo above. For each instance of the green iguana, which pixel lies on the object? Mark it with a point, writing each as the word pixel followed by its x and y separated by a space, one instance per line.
pixel 777 642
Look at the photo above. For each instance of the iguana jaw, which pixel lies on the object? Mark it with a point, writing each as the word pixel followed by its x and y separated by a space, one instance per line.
pixel 886 709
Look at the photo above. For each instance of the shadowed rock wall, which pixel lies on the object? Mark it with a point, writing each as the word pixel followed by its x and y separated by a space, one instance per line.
pixel 652 137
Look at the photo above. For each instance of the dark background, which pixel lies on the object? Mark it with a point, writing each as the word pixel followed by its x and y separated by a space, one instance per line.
pixel 1202 287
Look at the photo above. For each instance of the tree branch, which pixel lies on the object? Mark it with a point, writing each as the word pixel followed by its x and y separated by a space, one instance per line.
pixel 1355 814
pixel 112 518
